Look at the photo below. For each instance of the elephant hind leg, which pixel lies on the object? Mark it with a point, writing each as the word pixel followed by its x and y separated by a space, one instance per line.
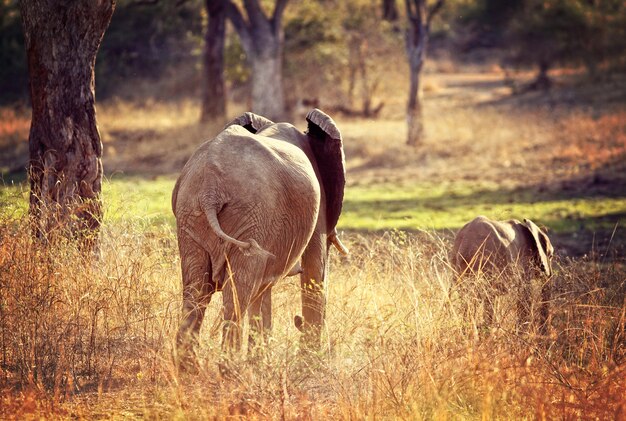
pixel 544 310
pixel 524 304
pixel 312 292
pixel 260 317
pixel 198 288
pixel 240 285
pixel 235 306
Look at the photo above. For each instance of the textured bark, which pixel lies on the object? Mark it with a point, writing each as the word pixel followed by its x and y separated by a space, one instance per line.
pixel 416 53
pixel 390 11
pixel 214 89
pixel 419 17
pixel 262 39
pixel 267 86
pixel 65 166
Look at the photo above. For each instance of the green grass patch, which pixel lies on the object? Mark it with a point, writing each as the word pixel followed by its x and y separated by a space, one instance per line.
pixel 140 200
pixel 13 198
pixel 441 206
pixel 373 207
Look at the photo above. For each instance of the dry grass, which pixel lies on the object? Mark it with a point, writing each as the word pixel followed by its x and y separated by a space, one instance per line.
pixel 473 132
pixel 72 324
pixel 151 137
pixel 81 339
pixel 480 133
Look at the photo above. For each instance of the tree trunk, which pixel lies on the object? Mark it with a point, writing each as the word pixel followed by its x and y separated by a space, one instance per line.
pixel 366 88
pixel 419 16
pixel 267 88
pixel 417 41
pixel 65 165
pixel 414 107
pixel 262 39
pixel 354 47
pixel 543 82
pixel 214 88
pixel 390 11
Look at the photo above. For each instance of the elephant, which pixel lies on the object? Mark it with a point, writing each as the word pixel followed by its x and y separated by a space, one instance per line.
pixel 497 249
pixel 259 202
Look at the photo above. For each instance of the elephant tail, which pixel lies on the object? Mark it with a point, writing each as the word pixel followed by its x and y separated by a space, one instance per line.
pixel 251 246
pixel 175 195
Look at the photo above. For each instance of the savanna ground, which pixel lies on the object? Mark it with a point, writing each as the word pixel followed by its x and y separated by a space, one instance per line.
pixel 92 340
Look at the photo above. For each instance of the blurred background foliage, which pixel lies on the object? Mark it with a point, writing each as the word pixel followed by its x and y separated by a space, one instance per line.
pixel 144 40
pixel 152 40
pixel 13 69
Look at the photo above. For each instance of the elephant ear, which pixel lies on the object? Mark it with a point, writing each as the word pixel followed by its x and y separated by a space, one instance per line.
pixel 541 246
pixel 250 121
pixel 325 140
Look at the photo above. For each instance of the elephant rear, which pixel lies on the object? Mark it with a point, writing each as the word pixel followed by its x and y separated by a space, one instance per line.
pixel 481 245
pixel 248 208
pixel 261 190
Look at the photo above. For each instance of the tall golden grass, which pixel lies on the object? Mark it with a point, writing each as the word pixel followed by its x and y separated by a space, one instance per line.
pixel 93 338
pixel 89 338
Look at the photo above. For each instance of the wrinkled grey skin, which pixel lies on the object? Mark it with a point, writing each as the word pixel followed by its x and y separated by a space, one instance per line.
pixel 258 203
pixel 497 248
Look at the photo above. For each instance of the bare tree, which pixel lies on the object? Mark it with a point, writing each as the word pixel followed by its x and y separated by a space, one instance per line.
pixel 65 165
pixel 419 18
pixel 214 88
pixel 262 39
pixel 360 70
pixel 390 10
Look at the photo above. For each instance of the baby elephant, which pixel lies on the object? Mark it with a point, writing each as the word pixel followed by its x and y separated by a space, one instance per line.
pixel 497 249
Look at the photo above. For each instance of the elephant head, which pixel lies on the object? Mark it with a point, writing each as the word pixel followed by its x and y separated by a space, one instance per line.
pixel 540 246
pixel 540 261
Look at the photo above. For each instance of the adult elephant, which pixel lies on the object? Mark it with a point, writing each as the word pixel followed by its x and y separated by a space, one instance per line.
pixel 250 205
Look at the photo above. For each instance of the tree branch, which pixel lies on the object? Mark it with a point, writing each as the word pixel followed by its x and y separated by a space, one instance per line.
pixel 255 13
pixel 409 10
pixel 240 24
pixel 419 11
pixel 433 11
pixel 277 16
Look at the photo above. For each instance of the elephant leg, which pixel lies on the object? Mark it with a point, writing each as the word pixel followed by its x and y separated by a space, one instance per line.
pixel 197 291
pixel 524 303
pixel 312 290
pixel 260 317
pixel 488 300
pixel 465 298
pixel 238 290
pixel 233 311
pixel 544 309
pixel 489 312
